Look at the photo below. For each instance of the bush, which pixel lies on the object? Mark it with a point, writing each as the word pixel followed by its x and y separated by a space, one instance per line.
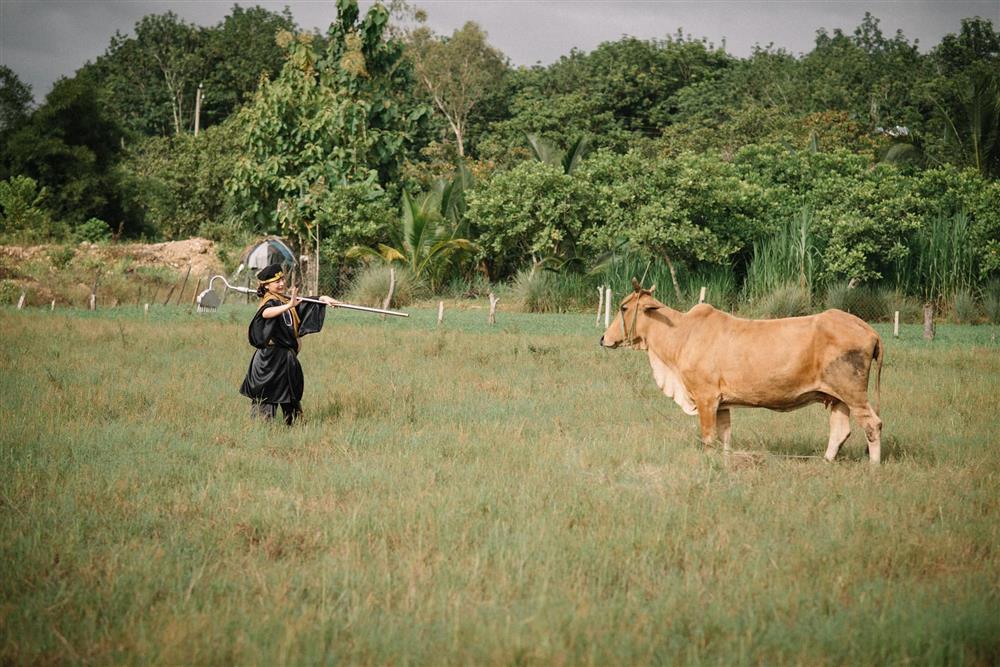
pixel 964 309
pixel 93 231
pixel 370 287
pixel 910 309
pixel 61 255
pixel 864 302
pixel 472 286
pixel 541 291
pixel 991 301
pixel 787 301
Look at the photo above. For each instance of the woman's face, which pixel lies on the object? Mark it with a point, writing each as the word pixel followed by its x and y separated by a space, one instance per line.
pixel 278 286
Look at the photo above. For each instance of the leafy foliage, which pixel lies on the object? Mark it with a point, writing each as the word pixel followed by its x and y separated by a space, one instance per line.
pixel 330 119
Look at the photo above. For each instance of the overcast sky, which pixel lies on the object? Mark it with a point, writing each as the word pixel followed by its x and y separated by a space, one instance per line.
pixel 42 40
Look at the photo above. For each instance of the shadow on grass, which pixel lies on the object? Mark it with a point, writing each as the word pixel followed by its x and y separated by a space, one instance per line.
pixel 855 449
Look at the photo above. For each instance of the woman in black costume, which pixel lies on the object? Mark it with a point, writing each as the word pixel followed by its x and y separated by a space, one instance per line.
pixel 275 376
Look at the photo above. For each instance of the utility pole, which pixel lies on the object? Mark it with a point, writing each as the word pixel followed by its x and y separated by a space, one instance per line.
pixel 197 111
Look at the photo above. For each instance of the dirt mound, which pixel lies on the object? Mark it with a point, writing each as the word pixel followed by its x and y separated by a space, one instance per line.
pixel 200 254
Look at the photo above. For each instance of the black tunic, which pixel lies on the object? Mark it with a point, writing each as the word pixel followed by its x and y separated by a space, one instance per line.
pixel 275 375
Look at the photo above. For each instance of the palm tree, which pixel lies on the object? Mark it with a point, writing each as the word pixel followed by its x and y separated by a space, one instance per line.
pixel 549 153
pixel 423 239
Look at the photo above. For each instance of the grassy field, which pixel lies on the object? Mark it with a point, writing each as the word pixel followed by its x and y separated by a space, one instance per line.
pixel 476 495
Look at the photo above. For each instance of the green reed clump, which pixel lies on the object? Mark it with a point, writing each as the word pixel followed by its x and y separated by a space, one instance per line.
pixel 964 308
pixel 789 257
pixel 991 301
pixel 909 307
pixel 785 301
pixel 868 303
pixel 370 286
pixel 543 291
pixel 941 261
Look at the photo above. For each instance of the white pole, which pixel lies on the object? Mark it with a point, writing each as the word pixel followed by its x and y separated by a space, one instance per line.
pixel 53 307
pixel 895 325
pixel 93 301
pixel 440 312
pixel 20 302
pixel 607 308
pixel 145 310
pixel 701 297
pixel 197 111
pixel 600 305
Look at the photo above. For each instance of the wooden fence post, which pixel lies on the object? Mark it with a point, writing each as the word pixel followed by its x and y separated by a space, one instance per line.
pixel 93 291
pixel 194 297
pixel 392 288
pixel 928 321
pixel 180 295
pixel 493 308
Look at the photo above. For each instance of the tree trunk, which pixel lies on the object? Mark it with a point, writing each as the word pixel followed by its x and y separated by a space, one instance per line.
pixel 673 277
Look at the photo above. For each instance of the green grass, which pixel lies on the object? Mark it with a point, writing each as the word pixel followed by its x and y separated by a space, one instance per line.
pixel 476 495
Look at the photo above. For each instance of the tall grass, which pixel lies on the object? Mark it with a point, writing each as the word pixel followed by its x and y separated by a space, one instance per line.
pixel 941 262
pixel 475 495
pixel 790 257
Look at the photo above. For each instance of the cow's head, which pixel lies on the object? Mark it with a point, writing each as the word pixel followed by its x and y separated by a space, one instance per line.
pixel 630 325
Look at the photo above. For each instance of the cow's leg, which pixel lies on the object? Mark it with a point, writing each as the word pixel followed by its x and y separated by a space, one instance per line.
pixel 706 415
pixel 870 422
pixel 840 429
pixel 725 428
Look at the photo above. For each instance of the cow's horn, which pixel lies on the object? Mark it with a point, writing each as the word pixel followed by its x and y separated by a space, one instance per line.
pixel 635 284
pixel 653 288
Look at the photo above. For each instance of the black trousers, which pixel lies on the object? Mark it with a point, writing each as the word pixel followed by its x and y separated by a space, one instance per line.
pixel 267 411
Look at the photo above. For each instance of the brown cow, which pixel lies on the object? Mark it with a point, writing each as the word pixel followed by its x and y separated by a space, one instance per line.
pixel 709 361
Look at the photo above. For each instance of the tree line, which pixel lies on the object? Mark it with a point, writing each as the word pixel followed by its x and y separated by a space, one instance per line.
pixel 868 160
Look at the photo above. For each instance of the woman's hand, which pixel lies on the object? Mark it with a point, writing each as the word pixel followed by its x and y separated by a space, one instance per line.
pixel 328 301
pixel 293 298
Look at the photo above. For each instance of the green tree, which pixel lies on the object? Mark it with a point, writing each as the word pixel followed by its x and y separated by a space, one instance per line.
pixel 178 182
pixel 456 73
pixel 23 214
pixel 71 146
pixel 236 53
pixel 966 97
pixel 526 214
pixel 15 100
pixel 331 119
pixel 151 78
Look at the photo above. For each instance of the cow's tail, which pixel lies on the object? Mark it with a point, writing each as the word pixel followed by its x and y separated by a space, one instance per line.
pixel 878 355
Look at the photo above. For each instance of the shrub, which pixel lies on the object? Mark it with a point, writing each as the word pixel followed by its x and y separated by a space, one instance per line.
pixel 61 255
pixel 910 309
pixel 370 287
pixel 991 301
pixel 471 286
pixel 94 230
pixel 964 309
pixel 789 300
pixel 541 291
pixel 865 302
